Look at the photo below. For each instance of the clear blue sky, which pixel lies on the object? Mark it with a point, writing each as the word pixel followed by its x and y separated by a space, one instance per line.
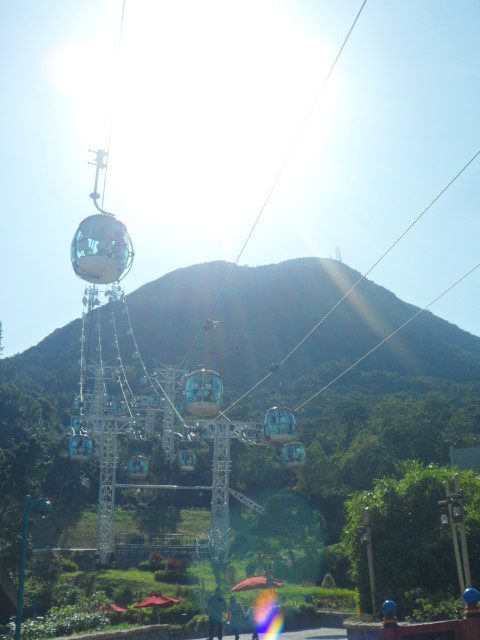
pixel 207 99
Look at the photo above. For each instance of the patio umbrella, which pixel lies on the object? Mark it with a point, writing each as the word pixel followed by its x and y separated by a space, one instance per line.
pixel 157 600
pixel 257 582
pixel 115 608
pixel 112 608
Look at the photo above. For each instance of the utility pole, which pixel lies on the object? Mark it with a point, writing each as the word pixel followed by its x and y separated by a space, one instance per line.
pixel 461 525
pixel 456 550
pixel 368 541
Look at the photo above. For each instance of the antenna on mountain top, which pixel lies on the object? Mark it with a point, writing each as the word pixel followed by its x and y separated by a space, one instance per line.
pixel 338 254
pixel 1 339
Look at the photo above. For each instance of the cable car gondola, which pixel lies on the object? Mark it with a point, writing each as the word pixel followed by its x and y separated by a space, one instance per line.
pixel 294 455
pixel 280 426
pixel 138 468
pixel 187 460
pixel 101 251
pixel 80 448
pixel 203 393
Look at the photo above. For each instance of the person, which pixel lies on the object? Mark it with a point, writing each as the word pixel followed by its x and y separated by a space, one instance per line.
pixel 216 607
pixel 250 616
pixel 235 614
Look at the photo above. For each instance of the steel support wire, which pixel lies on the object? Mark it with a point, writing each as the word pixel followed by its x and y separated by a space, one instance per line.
pixel 278 176
pixel 147 375
pixel 120 361
pixel 355 285
pixel 382 342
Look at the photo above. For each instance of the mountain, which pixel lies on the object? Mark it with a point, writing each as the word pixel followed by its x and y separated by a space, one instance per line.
pixel 263 312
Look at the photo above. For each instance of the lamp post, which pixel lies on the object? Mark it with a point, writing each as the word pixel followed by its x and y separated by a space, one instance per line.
pixel 45 507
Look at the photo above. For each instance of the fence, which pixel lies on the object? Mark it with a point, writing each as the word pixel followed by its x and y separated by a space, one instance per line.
pixel 466 629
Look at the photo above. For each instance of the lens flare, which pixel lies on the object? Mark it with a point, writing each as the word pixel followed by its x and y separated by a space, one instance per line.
pixel 268 617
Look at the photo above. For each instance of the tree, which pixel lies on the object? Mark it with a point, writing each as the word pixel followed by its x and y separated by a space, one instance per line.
pixel 411 553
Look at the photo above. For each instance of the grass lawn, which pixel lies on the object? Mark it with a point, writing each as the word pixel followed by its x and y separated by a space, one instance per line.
pixel 142 583
pixel 78 529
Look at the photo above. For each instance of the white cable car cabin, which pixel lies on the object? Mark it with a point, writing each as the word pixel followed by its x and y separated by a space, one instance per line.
pixel 80 448
pixel 280 426
pixel 102 250
pixel 294 455
pixel 138 468
pixel 203 393
pixel 187 460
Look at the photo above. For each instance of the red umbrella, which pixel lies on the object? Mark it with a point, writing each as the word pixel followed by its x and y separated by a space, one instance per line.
pixel 257 582
pixel 113 608
pixel 157 600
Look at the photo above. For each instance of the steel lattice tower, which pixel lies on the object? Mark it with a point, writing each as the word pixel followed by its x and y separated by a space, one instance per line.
pixel 220 521
pixel 171 379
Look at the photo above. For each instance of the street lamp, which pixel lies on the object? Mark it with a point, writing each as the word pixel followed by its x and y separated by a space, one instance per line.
pixel 45 507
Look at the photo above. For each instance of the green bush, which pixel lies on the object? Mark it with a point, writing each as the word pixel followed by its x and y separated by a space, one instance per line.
pixel 307 607
pixel 155 562
pixel 64 592
pixel 68 566
pixel 174 572
pixel 123 596
pixel 328 582
pixel 198 622
pixel 434 608
pixel 61 621
pixel 410 551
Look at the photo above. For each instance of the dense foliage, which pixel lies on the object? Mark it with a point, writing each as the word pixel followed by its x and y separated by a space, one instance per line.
pixel 414 559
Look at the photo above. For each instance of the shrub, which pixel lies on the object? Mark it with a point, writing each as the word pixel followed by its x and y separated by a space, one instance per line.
pixel 155 562
pixel 68 566
pixel 64 592
pixel 328 582
pixel 175 571
pixel 198 623
pixel 411 552
pixel 432 609
pixel 172 577
pixel 61 621
pixel 123 596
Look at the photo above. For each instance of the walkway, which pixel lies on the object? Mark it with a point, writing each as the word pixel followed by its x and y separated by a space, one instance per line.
pixel 324 633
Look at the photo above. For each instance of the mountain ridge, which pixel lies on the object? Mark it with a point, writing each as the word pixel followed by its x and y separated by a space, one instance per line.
pixel 264 311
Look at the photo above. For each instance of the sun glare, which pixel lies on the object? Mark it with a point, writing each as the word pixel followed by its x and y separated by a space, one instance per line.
pixel 209 95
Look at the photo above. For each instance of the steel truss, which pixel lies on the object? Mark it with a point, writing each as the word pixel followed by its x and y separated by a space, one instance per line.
pixel 105 419
pixel 222 431
pixel 171 379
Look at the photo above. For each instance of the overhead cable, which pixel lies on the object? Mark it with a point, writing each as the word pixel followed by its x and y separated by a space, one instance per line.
pixel 357 282
pixel 112 113
pixel 147 375
pixel 382 342
pixel 277 179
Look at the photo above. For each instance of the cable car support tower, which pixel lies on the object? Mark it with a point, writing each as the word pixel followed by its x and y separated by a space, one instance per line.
pixel 102 254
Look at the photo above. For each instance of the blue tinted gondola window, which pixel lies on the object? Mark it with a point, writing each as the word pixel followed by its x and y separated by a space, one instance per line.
pixel 102 235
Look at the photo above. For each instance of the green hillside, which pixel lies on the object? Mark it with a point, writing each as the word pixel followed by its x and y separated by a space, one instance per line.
pixel 263 312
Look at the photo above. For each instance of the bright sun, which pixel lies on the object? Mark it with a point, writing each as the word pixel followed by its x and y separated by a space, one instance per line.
pixel 208 96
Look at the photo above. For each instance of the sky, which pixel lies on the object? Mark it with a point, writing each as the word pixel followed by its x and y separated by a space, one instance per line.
pixel 203 101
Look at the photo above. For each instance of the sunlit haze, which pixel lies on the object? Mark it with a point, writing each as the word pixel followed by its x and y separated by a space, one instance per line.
pixel 204 101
